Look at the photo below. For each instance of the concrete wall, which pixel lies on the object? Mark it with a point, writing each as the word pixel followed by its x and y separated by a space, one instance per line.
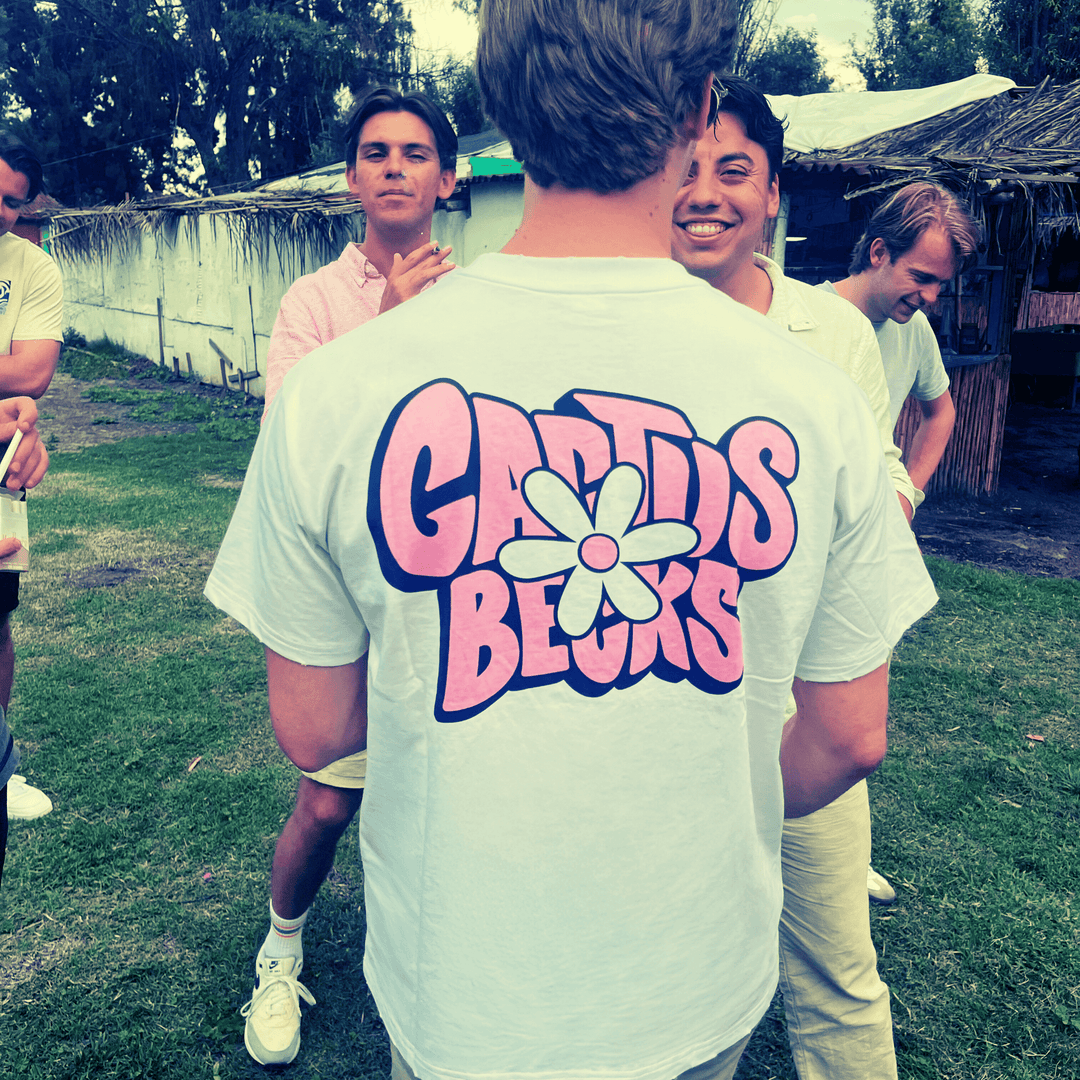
pixel 209 290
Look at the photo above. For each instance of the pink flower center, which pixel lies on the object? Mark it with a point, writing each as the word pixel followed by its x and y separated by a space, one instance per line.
pixel 598 552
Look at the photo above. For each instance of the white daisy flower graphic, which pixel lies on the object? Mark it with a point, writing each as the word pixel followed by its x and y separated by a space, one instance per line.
pixel 598 553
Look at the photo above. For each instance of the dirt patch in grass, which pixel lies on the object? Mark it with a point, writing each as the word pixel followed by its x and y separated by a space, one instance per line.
pixel 1032 524
pixel 19 967
pixel 72 422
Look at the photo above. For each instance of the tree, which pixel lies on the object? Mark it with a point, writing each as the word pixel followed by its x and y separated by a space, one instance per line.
pixel 755 20
pixel 454 88
pixel 790 64
pixel 1033 40
pixel 916 43
pixel 111 85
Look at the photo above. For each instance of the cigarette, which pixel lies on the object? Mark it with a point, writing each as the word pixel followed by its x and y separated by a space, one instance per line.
pixel 5 463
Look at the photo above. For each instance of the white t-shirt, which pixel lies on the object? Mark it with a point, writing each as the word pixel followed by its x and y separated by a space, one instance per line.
pixel 31 294
pixel 911 357
pixel 572 821
pixel 840 332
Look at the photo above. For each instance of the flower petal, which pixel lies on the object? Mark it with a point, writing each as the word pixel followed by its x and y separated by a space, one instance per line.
pixel 658 541
pixel 579 601
pixel 632 598
pixel 618 501
pixel 528 560
pixel 554 500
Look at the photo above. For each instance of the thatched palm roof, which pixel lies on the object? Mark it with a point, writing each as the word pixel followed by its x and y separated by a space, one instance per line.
pixel 1022 145
pixel 319 223
pixel 1032 136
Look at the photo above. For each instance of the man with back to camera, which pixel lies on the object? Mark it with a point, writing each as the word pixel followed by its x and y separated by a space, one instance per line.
pixel 562 594
pixel 31 330
pixel 837 1008
pixel 917 240
pixel 402 158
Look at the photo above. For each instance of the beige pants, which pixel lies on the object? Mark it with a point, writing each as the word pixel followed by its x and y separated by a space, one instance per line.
pixel 721 1067
pixel 837 1008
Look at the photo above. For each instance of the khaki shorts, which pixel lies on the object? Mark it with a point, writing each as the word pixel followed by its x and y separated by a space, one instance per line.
pixel 346 772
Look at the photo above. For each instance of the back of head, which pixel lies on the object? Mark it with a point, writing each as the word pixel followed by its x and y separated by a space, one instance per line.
pixel 590 92
pixel 743 99
pixel 378 99
pixel 906 214
pixel 21 159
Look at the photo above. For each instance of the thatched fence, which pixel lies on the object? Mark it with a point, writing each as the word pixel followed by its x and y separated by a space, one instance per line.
pixel 972 460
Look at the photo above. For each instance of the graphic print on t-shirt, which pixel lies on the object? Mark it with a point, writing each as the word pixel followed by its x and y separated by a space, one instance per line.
pixel 593 543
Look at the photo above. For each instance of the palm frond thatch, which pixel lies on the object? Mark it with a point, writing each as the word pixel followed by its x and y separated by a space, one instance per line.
pixel 297 226
pixel 1023 142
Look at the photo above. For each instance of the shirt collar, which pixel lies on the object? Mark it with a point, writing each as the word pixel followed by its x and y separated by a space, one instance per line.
pixel 788 308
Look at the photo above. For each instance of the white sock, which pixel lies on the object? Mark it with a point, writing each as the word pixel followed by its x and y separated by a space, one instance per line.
pixel 284 937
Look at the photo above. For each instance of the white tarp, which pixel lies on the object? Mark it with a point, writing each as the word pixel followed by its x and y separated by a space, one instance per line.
pixel 834 121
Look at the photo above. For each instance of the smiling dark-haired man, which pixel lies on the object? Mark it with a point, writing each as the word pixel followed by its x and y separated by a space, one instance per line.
pixel 837 1008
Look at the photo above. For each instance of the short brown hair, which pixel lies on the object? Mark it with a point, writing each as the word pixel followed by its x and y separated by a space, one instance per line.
pixel 906 214
pixel 590 92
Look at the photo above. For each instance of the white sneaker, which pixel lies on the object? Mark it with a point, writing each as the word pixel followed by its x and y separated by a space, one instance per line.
pixel 881 892
pixel 272 1032
pixel 24 801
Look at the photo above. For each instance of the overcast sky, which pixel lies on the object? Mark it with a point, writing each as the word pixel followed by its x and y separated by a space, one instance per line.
pixel 441 28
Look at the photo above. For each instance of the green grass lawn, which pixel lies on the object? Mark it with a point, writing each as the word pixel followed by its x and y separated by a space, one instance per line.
pixel 130 915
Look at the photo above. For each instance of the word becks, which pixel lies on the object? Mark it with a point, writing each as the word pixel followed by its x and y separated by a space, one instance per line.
pixel 592 543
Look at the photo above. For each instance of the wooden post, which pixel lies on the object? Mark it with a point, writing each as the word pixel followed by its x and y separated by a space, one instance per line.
pixel 161 330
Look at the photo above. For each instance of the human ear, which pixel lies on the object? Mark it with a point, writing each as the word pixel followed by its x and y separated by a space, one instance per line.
pixel 447 183
pixel 773 205
pixel 879 253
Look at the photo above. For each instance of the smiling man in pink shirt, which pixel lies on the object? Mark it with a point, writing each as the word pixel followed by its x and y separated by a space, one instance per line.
pixel 402 158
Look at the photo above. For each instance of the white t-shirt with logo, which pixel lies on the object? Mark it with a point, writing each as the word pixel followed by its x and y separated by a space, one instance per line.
pixel 588 517
pixel 31 294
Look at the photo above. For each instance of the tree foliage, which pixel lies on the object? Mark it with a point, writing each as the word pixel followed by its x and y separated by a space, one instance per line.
pixel 110 85
pixel 915 43
pixel 1030 40
pixel 790 63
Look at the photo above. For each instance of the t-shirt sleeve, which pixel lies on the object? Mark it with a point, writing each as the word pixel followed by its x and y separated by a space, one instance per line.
pixel 875 584
pixel 931 379
pixel 41 315
pixel 274 573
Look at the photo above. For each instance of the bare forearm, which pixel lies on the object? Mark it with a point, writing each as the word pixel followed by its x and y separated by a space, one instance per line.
pixel 930 440
pixel 29 368
pixel 836 737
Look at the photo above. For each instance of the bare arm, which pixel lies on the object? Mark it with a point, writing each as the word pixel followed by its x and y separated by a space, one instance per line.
pixel 29 368
pixel 836 737
pixel 319 713
pixel 938 418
